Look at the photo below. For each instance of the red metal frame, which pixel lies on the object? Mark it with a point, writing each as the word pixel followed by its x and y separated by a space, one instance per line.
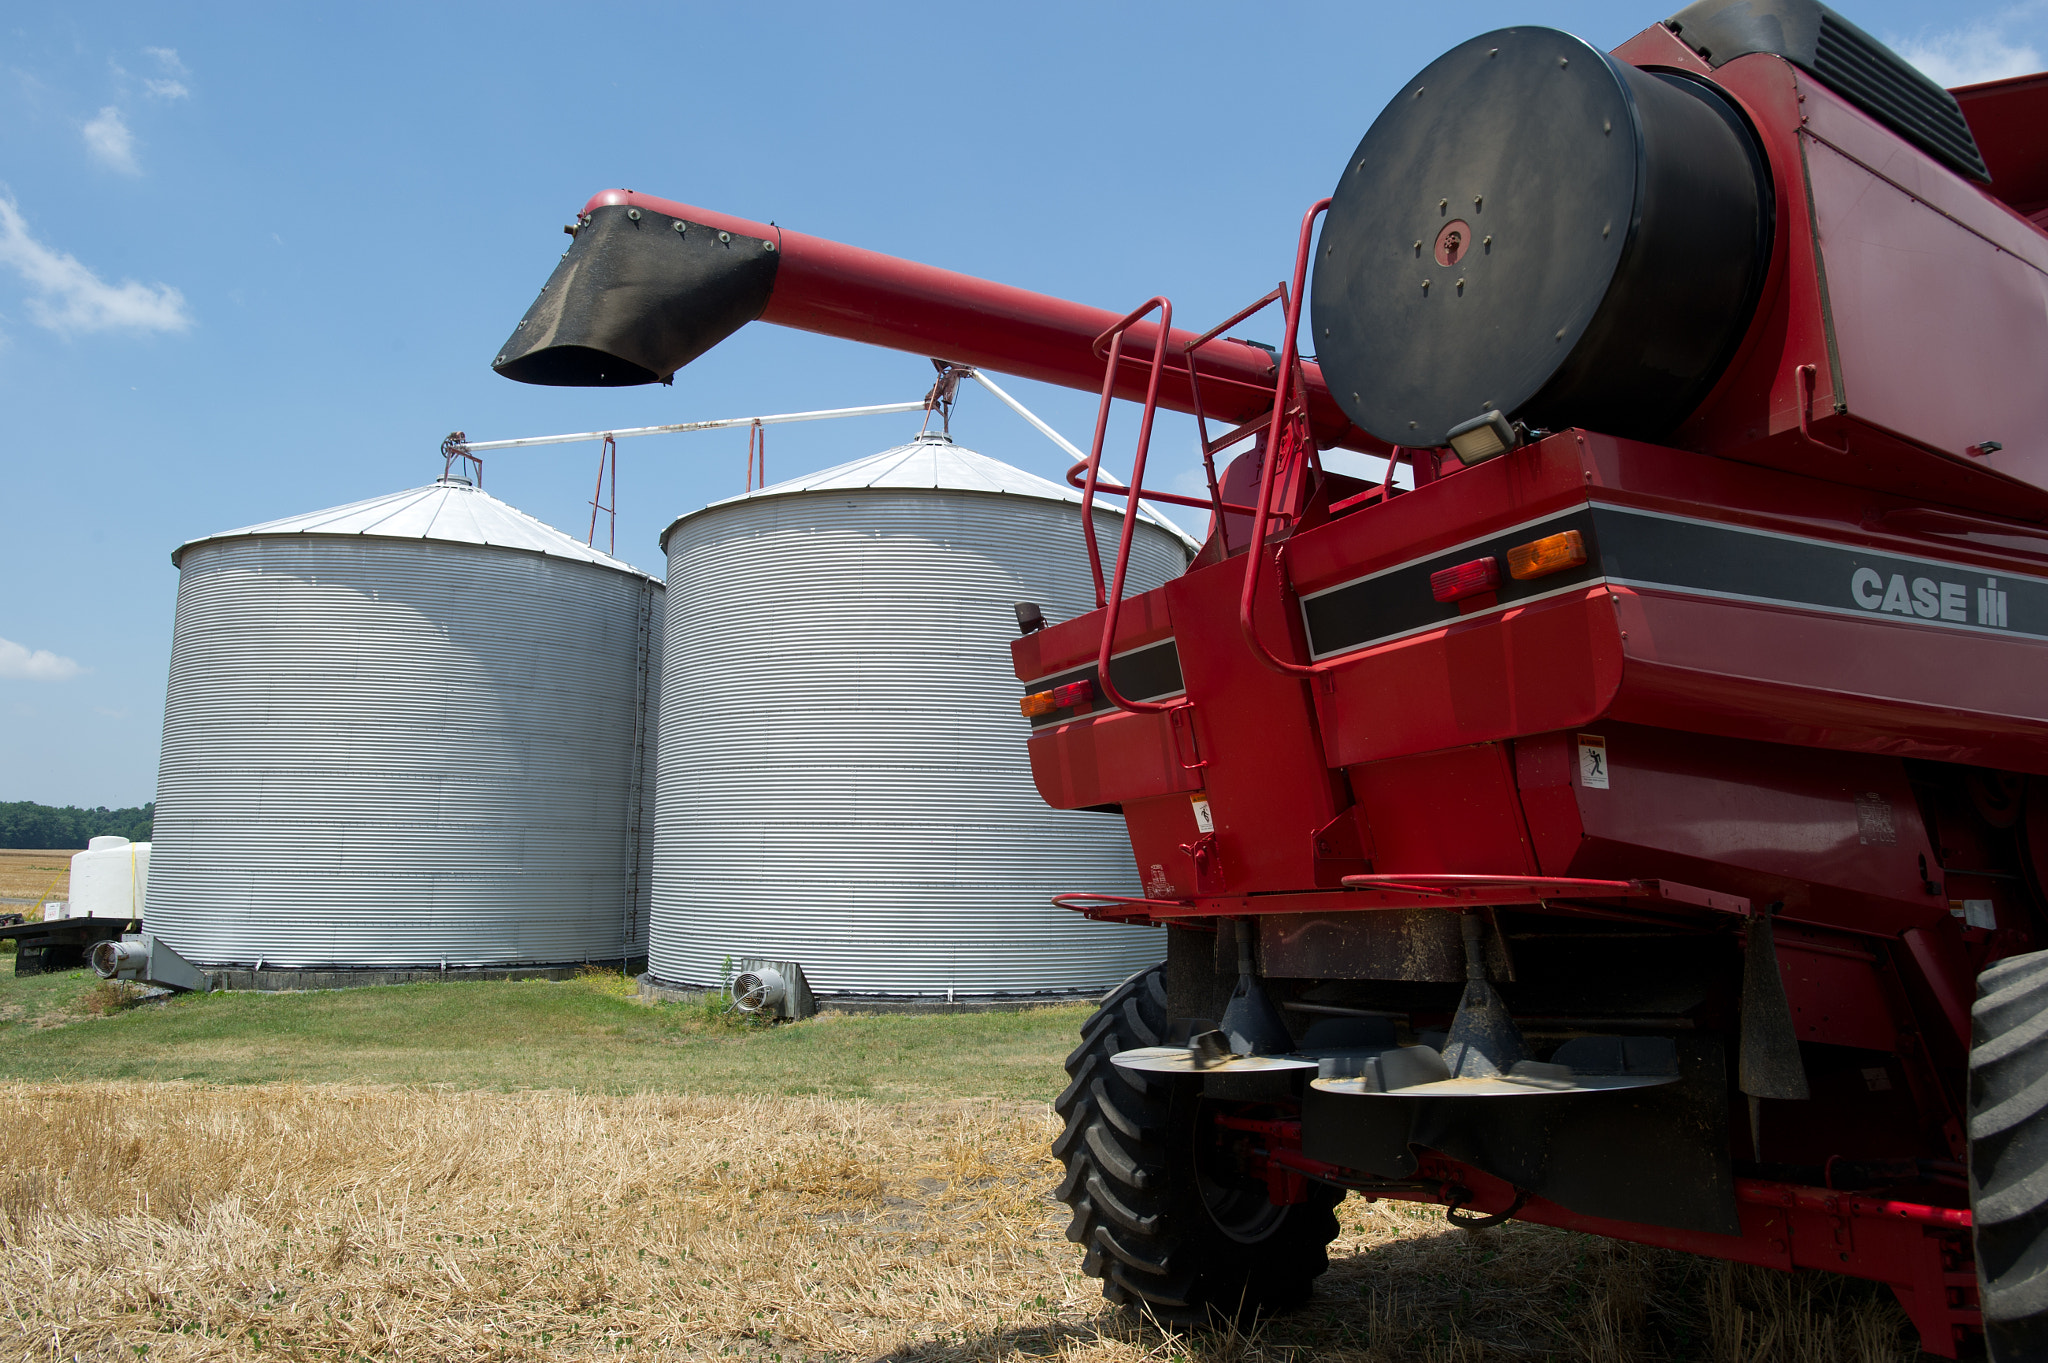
pixel 757 447
pixel 455 449
pixel 1288 440
pixel 607 462
pixel 1211 447
pixel 1111 342
pixel 1808 378
pixel 1921 1252
pixel 1289 444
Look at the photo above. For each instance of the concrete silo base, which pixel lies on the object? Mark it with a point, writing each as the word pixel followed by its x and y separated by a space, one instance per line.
pixel 653 989
pixel 276 981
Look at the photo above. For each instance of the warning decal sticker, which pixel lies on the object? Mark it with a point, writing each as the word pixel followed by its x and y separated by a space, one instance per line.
pixel 1593 762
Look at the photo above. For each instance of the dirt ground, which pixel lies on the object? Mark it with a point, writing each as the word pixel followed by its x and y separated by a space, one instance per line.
pixel 27 875
pixel 172 1221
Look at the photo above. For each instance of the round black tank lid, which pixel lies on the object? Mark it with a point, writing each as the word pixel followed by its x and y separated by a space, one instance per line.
pixel 1535 228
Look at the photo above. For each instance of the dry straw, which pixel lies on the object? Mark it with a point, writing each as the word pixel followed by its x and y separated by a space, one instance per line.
pixel 177 1222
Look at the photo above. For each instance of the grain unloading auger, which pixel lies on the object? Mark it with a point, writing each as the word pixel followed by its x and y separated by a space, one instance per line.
pixel 1614 830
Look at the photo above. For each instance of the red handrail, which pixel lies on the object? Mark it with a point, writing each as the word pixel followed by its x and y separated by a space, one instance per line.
pixel 1235 433
pixel 1277 454
pixel 1091 467
pixel 1112 599
pixel 1077 474
pixel 1113 338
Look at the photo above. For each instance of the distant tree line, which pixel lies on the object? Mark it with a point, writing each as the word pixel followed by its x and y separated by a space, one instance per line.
pixel 24 823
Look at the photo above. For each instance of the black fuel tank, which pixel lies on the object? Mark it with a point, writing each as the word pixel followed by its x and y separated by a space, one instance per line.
pixel 1534 227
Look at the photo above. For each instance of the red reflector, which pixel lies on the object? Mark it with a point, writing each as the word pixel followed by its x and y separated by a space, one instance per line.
pixel 1466 579
pixel 1074 695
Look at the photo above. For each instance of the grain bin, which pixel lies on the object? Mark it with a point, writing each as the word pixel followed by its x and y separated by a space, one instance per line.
pixel 412 732
pixel 843 778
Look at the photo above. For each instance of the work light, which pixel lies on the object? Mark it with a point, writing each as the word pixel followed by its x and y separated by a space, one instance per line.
pixel 1482 438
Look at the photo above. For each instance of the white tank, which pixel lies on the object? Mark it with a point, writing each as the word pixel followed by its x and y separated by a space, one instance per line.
pixel 843 775
pixel 108 880
pixel 409 732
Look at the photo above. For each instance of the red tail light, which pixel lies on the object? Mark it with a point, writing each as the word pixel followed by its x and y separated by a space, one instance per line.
pixel 1466 579
pixel 1074 695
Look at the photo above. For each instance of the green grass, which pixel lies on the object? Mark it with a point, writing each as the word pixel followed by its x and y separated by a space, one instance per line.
pixel 586 1034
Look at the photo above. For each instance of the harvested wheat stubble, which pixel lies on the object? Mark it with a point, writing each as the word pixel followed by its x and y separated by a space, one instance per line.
pixel 27 875
pixel 328 1222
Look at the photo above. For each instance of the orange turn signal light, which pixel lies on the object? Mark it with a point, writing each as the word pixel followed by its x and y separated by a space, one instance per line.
pixel 1551 554
pixel 1036 704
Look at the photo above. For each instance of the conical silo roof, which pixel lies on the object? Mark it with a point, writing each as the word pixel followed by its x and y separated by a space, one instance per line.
pixel 449 510
pixel 934 461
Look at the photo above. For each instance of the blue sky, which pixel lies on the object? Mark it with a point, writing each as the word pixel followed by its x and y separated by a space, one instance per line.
pixel 255 260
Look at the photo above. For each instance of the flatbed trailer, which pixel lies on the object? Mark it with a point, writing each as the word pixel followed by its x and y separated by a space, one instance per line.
pixel 45 948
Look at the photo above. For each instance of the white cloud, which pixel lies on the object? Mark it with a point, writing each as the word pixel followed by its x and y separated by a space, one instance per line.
pixel 108 139
pixel 71 299
pixel 166 89
pixel 167 58
pixel 19 664
pixel 1966 56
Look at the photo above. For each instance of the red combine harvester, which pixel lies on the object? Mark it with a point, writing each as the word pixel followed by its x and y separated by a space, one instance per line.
pixel 1614 829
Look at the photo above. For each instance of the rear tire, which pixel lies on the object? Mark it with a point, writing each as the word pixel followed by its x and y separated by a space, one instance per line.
pixel 1168 1230
pixel 2009 1155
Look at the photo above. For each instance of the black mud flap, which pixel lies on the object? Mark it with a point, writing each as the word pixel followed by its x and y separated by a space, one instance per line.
pixel 1654 1156
pixel 638 296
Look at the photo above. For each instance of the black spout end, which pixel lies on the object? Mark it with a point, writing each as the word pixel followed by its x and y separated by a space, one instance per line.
pixel 575 366
pixel 637 296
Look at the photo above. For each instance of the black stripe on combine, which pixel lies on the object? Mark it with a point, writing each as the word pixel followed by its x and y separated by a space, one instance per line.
pixel 1636 548
pixel 1398 600
pixel 1711 558
pixel 1148 673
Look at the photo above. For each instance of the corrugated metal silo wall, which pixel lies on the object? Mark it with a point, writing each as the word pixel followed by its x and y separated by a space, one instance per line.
pixel 844 780
pixel 399 753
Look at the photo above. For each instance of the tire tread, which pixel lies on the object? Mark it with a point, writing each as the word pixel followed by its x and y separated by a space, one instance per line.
pixel 1127 1148
pixel 2008 1126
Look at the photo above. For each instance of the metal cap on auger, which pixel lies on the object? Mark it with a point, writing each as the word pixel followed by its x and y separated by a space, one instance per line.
pixel 1535 228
